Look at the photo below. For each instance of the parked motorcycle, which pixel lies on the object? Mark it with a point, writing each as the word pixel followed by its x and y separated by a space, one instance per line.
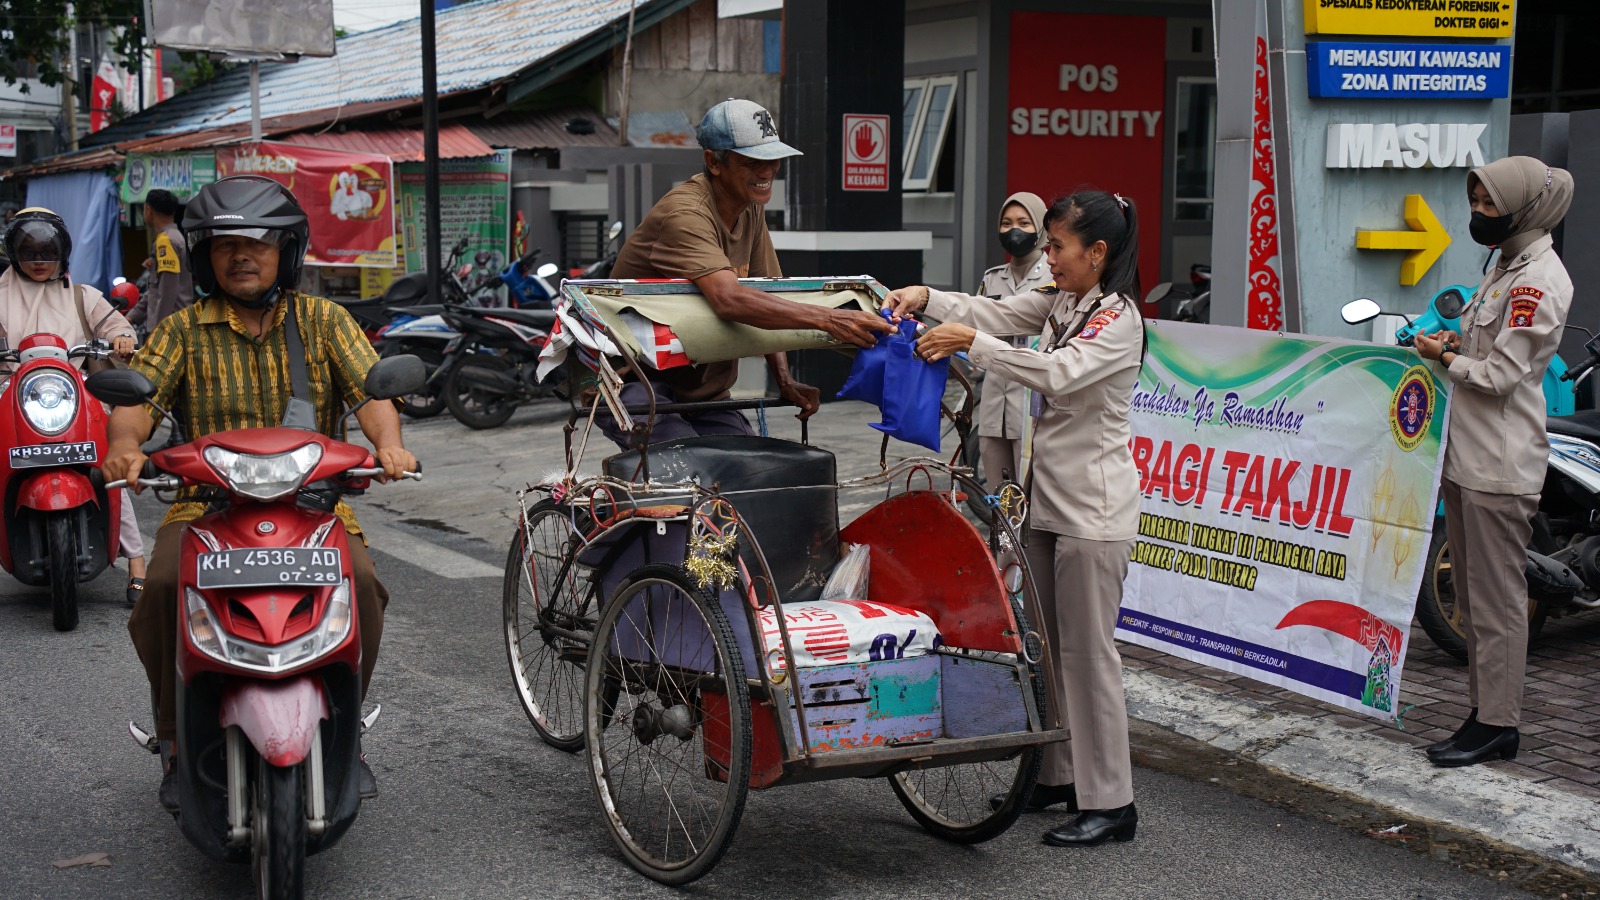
pixel 482 389
pixel 1563 569
pixel 269 649
pixel 60 524
pixel 601 268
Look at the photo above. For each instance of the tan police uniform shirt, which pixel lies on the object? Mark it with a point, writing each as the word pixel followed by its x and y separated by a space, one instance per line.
pixel 682 236
pixel 1084 481
pixel 1000 410
pixel 1509 332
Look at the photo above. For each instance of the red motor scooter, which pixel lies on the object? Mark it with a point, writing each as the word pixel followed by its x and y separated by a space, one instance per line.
pixel 269 645
pixel 60 525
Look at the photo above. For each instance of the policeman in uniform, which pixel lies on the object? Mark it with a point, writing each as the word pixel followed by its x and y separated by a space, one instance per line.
pixel 171 285
pixel 1000 410
pixel 1494 466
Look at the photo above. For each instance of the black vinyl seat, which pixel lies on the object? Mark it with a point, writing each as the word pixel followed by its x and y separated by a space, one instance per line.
pixel 542 319
pixel 1584 425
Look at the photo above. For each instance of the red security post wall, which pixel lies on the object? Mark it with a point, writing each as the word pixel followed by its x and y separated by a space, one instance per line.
pixel 1087 103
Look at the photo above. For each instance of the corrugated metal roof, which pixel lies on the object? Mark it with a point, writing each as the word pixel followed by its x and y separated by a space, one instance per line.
pixel 479 44
pixel 399 144
pixel 545 130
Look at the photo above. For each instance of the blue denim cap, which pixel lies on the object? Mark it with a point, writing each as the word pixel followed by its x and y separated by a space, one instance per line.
pixel 745 128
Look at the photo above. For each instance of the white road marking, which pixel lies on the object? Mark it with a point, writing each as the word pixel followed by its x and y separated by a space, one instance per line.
pixel 425 554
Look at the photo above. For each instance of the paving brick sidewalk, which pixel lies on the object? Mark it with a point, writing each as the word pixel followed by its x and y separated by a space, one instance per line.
pixel 1561 720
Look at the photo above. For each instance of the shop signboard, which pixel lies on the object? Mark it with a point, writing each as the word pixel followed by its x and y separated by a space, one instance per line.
pixel 1408 71
pixel 180 173
pixel 474 202
pixel 866 152
pixel 348 197
pixel 8 140
pixel 1090 110
pixel 1288 486
pixel 1412 18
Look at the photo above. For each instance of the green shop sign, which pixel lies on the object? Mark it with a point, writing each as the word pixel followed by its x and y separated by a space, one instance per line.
pixel 180 173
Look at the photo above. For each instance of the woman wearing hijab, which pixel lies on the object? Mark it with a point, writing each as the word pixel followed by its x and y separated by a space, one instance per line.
pixel 1084 489
pixel 37 297
pixel 1000 409
pixel 1494 465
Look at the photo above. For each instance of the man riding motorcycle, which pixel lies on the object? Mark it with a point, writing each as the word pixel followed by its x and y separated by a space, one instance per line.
pixel 225 362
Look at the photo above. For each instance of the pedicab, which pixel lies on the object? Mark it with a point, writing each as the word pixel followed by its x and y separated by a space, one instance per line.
pixel 664 614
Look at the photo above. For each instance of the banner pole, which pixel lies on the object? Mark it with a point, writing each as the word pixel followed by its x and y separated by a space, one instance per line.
pixel 430 153
pixel 255 101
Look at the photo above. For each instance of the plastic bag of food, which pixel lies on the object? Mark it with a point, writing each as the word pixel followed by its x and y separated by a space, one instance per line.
pixel 849 578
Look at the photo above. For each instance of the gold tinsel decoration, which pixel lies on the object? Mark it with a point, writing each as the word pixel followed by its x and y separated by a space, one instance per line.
pixel 711 559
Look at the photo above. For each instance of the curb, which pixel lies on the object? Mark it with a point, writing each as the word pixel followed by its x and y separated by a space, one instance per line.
pixel 1545 839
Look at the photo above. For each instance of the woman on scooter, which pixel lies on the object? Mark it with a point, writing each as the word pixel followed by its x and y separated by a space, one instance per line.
pixel 37 297
pixel 1494 466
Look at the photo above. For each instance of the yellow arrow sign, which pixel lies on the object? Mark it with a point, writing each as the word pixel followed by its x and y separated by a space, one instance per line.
pixel 1426 240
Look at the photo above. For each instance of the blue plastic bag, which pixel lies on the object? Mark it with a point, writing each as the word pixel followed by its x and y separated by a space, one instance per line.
pixel 866 372
pixel 913 391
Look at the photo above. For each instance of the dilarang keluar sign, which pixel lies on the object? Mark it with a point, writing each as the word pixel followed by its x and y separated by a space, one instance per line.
pixel 1288 490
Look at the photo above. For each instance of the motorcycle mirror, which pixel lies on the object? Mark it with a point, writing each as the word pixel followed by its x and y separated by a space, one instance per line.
pixel 120 387
pixel 614 230
pixel 1449 303
pixel 546 270
pixel 1159 292
pixel 1357 311
pixel 394 376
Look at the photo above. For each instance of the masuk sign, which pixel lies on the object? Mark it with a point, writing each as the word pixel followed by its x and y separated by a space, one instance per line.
pixel 1413 145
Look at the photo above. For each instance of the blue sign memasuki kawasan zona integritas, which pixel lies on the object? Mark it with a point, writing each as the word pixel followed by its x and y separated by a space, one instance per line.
pixel 1409 71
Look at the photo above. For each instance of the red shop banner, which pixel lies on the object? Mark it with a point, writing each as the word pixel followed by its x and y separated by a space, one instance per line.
pixel 348 198
pixel 1086 108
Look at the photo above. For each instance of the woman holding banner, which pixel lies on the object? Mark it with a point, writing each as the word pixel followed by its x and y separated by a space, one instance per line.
pixel 1494 465
pixel 1082 484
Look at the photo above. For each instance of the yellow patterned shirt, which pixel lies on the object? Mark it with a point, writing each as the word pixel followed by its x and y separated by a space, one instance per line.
pixel 206 360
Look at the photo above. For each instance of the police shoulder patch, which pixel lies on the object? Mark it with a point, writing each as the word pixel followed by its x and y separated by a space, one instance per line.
pixel 1522 310
pixel 1098 323
pixel 1526 291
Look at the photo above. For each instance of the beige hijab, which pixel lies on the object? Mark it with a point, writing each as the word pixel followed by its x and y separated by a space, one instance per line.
pixel 1515 182
pixel 1036 208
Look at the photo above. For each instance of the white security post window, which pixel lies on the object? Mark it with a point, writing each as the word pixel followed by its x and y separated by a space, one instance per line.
pixel 929 104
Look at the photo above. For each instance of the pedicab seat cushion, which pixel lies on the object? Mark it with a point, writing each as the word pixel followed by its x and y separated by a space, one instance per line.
pixel 839 632
pixel 784 491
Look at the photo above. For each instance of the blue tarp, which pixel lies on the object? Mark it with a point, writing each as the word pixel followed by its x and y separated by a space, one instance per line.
pixel 87 202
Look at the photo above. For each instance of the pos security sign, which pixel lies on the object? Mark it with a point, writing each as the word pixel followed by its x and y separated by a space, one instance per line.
pixel 866 152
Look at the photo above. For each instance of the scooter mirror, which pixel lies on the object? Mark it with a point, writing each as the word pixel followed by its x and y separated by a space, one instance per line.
pixel 393 376
pixel 546 270
pixel 1159 292
pixel 614 230
pixel 120 387
pixel 1357 311
pixel 1449 303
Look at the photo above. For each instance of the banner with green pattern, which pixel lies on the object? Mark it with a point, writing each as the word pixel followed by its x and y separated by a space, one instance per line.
pixel 1289 487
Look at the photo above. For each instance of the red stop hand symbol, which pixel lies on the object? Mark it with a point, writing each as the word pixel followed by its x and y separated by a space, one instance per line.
pixel 866 143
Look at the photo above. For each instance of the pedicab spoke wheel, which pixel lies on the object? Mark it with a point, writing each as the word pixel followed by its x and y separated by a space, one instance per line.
pixel 669 741
pixel 549 605
pixel 956 802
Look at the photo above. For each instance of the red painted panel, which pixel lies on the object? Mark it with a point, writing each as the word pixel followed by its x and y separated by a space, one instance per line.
pixel 928 557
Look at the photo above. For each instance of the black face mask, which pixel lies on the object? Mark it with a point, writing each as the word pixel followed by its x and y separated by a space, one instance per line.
pixel 1491 231
pixel 1017 242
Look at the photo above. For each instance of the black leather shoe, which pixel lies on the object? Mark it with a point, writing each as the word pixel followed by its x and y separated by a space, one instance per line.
pixel 1096 826
pixel 167 794
pixel 1502 745
pixel 1043 797
pixel 366 782
pixel 1472 719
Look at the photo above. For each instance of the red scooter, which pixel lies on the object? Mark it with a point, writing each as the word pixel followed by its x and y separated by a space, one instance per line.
pixel 269 647
pixel 60 525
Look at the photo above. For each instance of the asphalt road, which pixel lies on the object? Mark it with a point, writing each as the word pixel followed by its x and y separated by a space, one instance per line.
pixel 473 805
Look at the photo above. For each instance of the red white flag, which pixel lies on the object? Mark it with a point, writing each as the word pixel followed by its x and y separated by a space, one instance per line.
pixel 101 96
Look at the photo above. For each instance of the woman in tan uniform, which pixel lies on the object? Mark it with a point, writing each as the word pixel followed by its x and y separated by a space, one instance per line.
pixel 1084 489
pixel 1494 465
pixel 1000 409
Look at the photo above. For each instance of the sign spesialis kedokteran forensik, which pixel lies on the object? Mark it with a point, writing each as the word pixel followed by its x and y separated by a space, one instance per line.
pixel 1412 18
pixel 1408 71
pixel 1288 492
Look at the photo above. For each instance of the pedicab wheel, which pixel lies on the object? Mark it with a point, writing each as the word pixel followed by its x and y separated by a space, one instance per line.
pixel 278 831
pixel 669 753
pixel 953 802
pixel 550 604
pixel 62 539
pixel 477 407
pixel 1437 609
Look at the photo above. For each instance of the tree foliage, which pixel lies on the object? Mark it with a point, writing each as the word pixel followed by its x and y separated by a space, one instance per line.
pixel 35 35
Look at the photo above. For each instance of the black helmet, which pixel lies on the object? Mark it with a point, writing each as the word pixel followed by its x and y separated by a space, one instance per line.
pixel 37 234
pixel 255 207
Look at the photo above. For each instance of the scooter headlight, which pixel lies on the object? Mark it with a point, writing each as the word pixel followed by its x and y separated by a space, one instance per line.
pixel 264 477
pixel 49 401
pixel 329 634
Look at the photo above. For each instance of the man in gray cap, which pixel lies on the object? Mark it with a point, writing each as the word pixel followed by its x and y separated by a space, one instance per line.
pixel 711 230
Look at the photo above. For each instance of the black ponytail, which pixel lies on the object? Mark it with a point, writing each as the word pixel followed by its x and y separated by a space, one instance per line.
pixel 1099 216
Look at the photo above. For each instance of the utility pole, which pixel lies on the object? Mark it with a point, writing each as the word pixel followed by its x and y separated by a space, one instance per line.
pixel 627 77
pixel 433 244
pixel 69 84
